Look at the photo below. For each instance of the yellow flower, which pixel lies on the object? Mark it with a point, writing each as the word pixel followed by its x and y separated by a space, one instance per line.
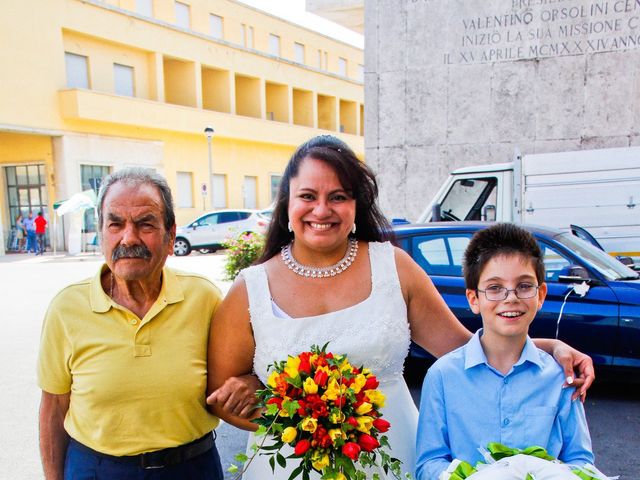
pixel 364 424
pixel 319 460
pixel 289 435
pixel 271 381
pixel 345 366
pixel 333 390
pixel 336 433
pixel 365 407
pixel 310 386
pixel 309 424
pixel 358 383
pixel 337 417
pixel 284 413
pixel 376 397
pixel 292 366
pixel 366 372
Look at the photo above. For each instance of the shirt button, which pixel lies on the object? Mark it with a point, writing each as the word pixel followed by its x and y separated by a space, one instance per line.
pixel 506 422
pixel 133 321
pixel 506 380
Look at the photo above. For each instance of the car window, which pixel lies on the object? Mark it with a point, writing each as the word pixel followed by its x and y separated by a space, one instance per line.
pixel 226 217
pixel 555 264
pixel 243 215
pixel 468 197
pixel 440 255
pixel 208 220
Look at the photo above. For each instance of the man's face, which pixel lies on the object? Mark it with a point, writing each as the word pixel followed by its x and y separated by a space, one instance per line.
pixel 135 242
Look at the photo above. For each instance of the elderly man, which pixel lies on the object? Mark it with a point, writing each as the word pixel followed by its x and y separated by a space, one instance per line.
pixel 122 363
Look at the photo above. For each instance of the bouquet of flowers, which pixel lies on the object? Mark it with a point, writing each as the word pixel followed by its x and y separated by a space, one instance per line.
pixel 531 463
pixel 328 411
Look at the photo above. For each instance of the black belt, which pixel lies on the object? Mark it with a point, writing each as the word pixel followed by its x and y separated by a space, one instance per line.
pixel 160 458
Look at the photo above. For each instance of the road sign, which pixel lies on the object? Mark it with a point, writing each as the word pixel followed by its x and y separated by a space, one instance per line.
pixel 203 189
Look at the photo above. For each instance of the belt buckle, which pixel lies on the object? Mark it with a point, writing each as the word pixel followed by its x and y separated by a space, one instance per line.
pixel 145 463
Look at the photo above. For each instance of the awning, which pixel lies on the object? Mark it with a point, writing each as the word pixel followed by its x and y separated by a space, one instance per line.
pixel 78 201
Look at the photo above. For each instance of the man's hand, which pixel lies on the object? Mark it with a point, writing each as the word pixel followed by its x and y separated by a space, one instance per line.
pixel 237 396
pixel 573 361
pixel 53 437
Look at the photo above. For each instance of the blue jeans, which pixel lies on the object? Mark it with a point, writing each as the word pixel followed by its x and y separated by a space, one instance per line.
pixel 31 241
pixel 82 464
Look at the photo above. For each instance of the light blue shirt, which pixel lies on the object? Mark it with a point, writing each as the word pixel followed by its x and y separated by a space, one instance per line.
pixel 466 404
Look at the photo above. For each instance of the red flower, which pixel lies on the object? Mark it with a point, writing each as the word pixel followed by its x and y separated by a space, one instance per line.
pixel 351 450
pixel 352 421
pixel 276 400
pixel 381 425
pixel 305 365
pixel 302 410
pixel 368 443
pixel 320 378
pixel 301 447
pixel 372 383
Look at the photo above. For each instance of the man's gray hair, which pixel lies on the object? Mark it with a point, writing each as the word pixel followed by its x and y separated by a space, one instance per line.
pixel 139 176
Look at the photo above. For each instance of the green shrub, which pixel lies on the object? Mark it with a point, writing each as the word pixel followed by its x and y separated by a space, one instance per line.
pixel 242 251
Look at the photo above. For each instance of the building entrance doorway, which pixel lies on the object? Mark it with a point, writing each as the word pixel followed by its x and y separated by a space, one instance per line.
pixel 27 192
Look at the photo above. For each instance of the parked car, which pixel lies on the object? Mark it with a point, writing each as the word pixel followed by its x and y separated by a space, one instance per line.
pixel 208 232
pixel 604 323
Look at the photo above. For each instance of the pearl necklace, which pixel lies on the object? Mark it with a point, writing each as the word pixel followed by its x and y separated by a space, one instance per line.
pixel 319 272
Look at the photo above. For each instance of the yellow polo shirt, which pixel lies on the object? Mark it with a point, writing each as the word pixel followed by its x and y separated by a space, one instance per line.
pixel 136 385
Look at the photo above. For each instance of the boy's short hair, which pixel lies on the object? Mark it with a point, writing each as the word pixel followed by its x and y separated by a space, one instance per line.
pixel 500 239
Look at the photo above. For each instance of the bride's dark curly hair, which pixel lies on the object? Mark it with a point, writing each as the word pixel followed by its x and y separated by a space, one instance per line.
pixel 354 176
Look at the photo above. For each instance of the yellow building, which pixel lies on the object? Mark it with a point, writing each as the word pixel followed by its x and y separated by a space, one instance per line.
pixel 90 86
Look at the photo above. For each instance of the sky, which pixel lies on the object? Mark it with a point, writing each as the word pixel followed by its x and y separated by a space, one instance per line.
pixel 293 11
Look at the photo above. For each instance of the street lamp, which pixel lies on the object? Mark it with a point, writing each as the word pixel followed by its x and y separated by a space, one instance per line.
pixel 208 131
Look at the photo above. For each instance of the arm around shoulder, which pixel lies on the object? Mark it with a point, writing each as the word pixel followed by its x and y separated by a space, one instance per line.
pixel 433 325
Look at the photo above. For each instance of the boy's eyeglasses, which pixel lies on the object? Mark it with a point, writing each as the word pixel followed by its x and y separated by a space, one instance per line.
pixel 522 291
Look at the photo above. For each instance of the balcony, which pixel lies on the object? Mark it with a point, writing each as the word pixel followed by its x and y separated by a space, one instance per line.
pixel 92 106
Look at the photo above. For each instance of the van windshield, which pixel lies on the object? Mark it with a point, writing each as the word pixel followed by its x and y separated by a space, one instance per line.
pixel 608 266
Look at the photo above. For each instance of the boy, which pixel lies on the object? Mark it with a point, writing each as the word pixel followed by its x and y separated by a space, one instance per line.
pixel 499 387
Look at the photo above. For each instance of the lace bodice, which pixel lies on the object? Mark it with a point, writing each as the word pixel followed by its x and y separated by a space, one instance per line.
pixel 374 333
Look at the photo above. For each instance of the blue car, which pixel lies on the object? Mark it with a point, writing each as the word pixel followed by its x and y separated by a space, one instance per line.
pixel 603 322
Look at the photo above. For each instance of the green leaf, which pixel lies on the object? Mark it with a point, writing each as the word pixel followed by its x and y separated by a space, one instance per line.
pixel 241 457
pixel 262 430
pixel 272 462
pixel 281 460
pixel 296 472
pixel 232 469
pixel 272 410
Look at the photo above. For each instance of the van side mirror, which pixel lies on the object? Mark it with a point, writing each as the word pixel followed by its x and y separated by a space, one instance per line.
pixel 436 213
pixel 489 213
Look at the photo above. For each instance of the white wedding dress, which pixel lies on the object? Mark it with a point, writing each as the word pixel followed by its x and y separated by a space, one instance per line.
pixel 373 333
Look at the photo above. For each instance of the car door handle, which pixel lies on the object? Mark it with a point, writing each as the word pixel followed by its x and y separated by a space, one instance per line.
pixel 627 320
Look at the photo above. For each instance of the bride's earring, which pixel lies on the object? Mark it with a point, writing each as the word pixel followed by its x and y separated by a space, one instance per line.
pixel 289 226
pixel 353 229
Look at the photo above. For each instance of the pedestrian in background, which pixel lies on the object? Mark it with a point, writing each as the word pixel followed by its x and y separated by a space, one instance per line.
pixel 41 228
pixel 30 227
pixel 21 233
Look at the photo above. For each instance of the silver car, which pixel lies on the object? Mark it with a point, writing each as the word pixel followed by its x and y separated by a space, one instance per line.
pixel 208 232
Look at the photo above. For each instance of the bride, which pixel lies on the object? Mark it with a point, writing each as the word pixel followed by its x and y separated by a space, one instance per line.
pixel 329 274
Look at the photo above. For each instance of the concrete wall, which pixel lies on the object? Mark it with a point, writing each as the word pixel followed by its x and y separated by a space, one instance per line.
pixel 451 83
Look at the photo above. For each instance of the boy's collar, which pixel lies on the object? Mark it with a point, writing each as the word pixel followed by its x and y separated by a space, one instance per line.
pixel 474 354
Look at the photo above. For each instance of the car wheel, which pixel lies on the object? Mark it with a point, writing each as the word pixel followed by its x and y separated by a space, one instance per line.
pixel 205 250
pixel 181 247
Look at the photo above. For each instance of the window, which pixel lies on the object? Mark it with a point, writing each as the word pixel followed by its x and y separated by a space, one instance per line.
pixel 320 59
pixel 123 80
pixel 470 199
pixel 298 51
pixel 361 73
pixel 441 255
pixel 342 66
pixel 243 34
pixel 185 190
pixel 182 15
pixel 91 177
pixel 250 192
pixel 145 7
pixel 219 191
pixel 274 44
pixel 226 217
pixel 77 70
pixel 215 26
pixel 326 61
pixel 250 37
pixel 555 264
pixel 275 186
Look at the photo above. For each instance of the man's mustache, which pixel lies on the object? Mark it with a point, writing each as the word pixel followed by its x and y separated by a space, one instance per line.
pixel 135 251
